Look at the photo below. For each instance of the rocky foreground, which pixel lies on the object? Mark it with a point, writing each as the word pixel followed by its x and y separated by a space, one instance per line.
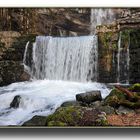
pixel 120 108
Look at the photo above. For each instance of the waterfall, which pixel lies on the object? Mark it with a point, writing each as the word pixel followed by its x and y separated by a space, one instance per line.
pixel 123 59
pixel 101 16
pixel 118 59
pixel 128 61
pixel 65 58
pixel 26 68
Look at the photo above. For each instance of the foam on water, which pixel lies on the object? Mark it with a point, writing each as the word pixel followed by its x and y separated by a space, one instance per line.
pixel 40 97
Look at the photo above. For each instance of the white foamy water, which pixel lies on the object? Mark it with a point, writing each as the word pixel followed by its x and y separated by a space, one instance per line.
pixel 40 97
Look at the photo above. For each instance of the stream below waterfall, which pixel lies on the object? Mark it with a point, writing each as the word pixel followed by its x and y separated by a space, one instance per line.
pixel 40 97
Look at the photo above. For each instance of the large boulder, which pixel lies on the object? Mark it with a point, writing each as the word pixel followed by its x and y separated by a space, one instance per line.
pixel 77 116
pixel 89 97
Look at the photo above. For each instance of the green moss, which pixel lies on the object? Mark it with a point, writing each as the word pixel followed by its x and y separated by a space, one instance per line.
pixel 132 105
pixel 125 38
pixel 114 46
pixel 106 39
pixel 125 34
pixel 135 87
pixel 114 98
pixel 56 123
pixel 66 115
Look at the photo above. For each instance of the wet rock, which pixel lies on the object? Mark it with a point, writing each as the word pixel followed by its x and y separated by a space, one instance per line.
pixel 89 97
pixel 16 101
pixel 36 121
pixel 70 103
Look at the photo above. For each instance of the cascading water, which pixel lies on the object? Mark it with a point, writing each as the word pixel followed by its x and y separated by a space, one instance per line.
pixel 123 59
pixel 101 16
pixel 118 58
pixel 65 58
pixel 128 61
pixel 26 68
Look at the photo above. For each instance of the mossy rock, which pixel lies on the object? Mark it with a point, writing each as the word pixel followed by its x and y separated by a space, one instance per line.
pixel 36 121
pixel 68 116
pixel 131 105
pixel 135 87
pixel 76 116
pixel 114 98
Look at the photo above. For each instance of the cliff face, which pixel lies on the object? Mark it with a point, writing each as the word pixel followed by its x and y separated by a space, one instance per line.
pixel 49 21
pixel 12 46
pixel 124 34
pixel 17 26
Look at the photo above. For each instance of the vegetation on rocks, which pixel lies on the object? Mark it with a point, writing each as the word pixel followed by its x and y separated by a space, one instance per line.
pixel 114 98
pixel 117 98
pixel 135 87
pixel 77 116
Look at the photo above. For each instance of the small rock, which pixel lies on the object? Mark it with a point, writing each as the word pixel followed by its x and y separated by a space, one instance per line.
pixel 16 101
pixel 107 109
pixel 124 110
pixel 96 104
pixel 89 97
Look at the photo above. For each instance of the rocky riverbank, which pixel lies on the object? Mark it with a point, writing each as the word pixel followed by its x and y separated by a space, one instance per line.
pixel 89 109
